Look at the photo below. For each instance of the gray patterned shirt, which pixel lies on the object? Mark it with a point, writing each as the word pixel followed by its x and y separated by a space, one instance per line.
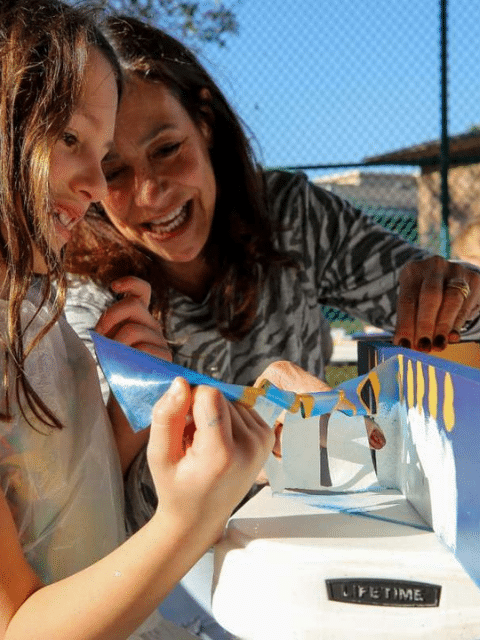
pixel 346 261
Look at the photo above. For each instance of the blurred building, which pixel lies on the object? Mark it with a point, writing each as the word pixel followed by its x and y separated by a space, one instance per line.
pixel 390 198
pixel 464 191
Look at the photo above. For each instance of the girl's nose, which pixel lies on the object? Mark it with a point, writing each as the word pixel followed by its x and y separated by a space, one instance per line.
pixel 90 182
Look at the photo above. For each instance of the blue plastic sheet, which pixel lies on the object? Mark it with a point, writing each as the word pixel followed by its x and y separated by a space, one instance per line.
pixel 139 379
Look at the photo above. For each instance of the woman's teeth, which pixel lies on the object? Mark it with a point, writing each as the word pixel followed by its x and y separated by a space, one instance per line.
pixel 169 223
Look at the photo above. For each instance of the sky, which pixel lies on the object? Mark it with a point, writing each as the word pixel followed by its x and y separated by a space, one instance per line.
pixel 335 81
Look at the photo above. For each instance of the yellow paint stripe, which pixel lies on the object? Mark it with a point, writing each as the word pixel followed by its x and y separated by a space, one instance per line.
pixel 410 385
pixel 432 391
pixel 400 378
pixel 448 408
pixel 420 386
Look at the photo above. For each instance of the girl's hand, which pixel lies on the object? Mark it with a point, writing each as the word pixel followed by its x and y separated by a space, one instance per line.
pixel 129 321
pixel 201 478
pixel 290 377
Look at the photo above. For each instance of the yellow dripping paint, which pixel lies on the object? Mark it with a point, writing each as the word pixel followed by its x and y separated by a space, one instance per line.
pixel 410 385
pixel 400 378
pixel 420 387
pixel 448 408
pixel 375 383
pixel 432 392
pixel 250 395
pixel 345 404
pixel 306 403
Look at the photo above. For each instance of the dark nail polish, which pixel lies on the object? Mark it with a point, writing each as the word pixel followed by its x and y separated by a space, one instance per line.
pixel 424 344
pixel 440 342
pixel 404 342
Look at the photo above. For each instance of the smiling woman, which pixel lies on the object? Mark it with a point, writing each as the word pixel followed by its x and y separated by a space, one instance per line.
pixel 239 260
pixel 161 183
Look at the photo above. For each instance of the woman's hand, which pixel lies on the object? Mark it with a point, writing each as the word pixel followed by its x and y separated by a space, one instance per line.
pixel 289 377
pixel 201 478
pixel 436 299
pixel 129 321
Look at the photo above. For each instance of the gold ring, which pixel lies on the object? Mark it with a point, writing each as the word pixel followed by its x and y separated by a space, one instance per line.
pixel 460 284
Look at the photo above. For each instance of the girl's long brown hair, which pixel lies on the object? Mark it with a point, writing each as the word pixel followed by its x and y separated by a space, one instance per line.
pixel 44 47
pixel 240 247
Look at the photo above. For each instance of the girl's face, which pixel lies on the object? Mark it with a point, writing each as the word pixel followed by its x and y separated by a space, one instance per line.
pixel 161 185
pixel 76 176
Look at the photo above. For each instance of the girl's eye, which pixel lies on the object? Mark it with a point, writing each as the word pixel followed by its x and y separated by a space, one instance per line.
pixel 166 150
pixel 69 139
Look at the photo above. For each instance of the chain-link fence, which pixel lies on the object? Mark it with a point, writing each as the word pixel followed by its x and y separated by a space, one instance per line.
pixel 373 99
pixel 376 100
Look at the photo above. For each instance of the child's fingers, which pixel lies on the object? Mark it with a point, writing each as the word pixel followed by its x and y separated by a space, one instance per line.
pixel 145 339
pixel 289 376
pixel 133 286
pixel 168 424
pixel 212 420
pixel 253 434
pixel 126 310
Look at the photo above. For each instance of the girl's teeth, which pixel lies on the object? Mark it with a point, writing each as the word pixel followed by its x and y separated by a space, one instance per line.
pixel 64 219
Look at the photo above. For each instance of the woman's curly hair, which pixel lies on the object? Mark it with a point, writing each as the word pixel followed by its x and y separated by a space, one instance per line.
pixel 240 248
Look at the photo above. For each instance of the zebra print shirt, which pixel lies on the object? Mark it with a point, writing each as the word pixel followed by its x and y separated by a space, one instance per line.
pixel 346 261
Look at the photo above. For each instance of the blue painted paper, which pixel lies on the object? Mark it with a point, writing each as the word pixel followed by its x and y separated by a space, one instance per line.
pixel 139 379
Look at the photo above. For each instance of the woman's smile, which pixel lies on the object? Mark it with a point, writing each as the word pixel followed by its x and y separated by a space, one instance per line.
pixel 170 225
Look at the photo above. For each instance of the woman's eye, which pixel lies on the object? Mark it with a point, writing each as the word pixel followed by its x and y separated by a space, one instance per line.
pixel 69 139
pixel 166 150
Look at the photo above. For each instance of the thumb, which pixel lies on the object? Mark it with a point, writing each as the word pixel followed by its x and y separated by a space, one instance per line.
pixel 168 423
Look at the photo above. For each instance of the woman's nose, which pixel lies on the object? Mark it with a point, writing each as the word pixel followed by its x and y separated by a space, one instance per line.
pixel 149 189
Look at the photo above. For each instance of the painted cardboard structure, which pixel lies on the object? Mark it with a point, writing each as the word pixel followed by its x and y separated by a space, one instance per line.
pixel 349 542
pixel 388 554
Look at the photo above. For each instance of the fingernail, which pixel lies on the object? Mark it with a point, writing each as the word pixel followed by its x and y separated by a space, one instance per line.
pixel 440 341
pixel 404 342
pixel 175 387
pixel 424 344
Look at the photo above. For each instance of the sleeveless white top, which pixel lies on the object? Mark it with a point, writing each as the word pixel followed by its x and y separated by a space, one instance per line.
pixel 64 486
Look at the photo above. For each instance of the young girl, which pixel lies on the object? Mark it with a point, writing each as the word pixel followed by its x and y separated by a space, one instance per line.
pixel 65 569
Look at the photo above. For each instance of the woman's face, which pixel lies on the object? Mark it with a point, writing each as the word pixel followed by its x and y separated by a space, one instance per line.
pixel 76 176
pixel 161 185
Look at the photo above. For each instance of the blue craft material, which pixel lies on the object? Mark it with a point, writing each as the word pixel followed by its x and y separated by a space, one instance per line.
pixel 139 379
